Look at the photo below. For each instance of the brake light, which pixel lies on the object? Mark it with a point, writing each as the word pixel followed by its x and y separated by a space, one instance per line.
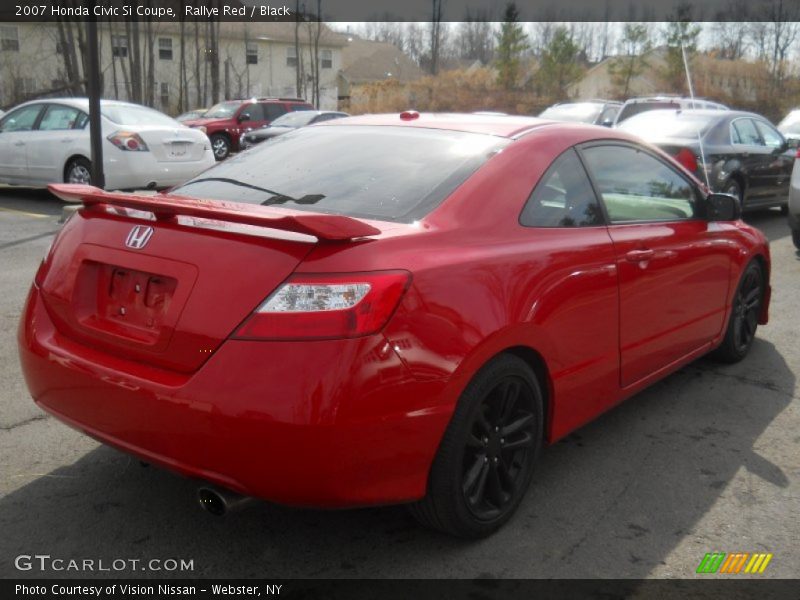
pixel 687 158
pixel 128 140
pixel 327 306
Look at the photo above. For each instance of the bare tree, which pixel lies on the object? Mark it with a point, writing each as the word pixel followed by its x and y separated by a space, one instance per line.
pixel 474 37
pixel 437 9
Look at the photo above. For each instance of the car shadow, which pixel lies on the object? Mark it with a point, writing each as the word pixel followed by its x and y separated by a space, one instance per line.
pixel 770 221
pixel 611 500
pixel 29 199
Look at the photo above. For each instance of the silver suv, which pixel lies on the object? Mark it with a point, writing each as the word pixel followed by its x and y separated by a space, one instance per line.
pixel 634 106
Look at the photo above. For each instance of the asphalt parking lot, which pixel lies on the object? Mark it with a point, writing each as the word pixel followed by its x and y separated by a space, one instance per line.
pixel 706 460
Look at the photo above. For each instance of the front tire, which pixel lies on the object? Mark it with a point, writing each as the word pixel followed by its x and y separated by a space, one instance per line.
pixel 796 238
pixel 221 146
pixel 743 321
pixel 78 170
pixel 485 460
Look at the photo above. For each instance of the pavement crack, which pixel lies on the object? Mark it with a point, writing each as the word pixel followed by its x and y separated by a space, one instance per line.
pixel 27 239
pixel 22 423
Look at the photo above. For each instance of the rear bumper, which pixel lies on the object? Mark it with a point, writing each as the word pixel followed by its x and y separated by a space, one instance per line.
pixel 132 170
pixel 329 424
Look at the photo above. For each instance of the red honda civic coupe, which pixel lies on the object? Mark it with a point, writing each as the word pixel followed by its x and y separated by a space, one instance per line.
pixel 388 309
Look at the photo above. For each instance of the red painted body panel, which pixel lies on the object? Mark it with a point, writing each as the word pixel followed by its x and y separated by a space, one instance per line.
pixel 358 421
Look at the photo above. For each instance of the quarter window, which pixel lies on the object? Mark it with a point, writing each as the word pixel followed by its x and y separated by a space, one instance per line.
pixel 58 117
pixel 563 197
pixel 636 186
pixel 273 111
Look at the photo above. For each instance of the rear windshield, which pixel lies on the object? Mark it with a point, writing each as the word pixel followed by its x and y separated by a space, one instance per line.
pixel 128 114
pixel 634 108
pixel 386 173
pixel 666 124
pixel 584 112
pixel 294 119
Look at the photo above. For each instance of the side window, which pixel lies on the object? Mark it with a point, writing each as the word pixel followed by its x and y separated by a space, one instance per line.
pixel 57 117
pixel 21 119
pixel 771 137
pixel 273 111
pixel 81 121
pixel 608 114
pixel 255 111
pixel 563 197
pixel 637 186
pixel 743 131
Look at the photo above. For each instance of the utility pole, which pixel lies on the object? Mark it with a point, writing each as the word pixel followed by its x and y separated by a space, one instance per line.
pixel 95 132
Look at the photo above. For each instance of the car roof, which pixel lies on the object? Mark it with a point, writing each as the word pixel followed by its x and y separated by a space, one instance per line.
pixel 499 125
pixel 711 112
pixel 81 103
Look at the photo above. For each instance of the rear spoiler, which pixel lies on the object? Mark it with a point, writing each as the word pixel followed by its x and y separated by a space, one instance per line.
pixel 166 207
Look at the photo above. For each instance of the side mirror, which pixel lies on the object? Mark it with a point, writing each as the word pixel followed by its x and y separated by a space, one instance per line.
pixel 792 143
pixel 722 207
pixel 245 116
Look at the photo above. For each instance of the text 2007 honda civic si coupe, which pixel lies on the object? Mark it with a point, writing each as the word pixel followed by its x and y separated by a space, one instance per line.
pixel 388 309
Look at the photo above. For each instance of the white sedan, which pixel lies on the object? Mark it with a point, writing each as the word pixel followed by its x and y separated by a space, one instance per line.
pixel 47 141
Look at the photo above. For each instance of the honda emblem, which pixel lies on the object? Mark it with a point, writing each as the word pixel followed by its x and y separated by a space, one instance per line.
pixel 138 237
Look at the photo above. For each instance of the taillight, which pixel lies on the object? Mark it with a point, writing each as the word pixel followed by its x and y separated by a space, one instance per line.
pixel 128 140
pixel 320 306
pixel 687 158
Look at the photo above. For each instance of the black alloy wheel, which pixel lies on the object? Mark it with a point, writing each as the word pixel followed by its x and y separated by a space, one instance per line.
pixel 499 448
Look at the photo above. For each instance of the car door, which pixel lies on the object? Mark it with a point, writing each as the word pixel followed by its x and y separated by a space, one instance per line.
pixel 250 117
pixel 755 158
pixel 673 265
pixel 779 168
pixel 577 296
pixel 56 137
pixel 15 133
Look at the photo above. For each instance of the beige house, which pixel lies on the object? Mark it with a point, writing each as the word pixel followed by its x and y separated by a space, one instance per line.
pixel 255 59
pixel 714 78
pixel 365 61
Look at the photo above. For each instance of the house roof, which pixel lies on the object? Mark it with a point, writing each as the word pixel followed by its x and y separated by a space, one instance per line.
pixel 364 61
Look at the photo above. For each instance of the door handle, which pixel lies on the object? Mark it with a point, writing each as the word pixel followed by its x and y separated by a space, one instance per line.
pixel 636 256
pixel 19 143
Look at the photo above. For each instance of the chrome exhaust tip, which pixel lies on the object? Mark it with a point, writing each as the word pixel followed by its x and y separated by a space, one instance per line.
pixel 219 502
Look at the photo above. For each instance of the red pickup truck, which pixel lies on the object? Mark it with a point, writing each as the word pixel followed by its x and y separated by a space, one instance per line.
pixel 226 121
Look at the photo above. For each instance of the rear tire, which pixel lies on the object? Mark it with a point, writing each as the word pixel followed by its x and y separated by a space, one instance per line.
pixel 485 460
pixel 78 170
pixel 743 322
pixel 221 146
pixel 796 238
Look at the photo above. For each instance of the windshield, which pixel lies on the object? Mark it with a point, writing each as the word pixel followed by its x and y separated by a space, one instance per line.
pixel 635 108
pixel 129 114
pixel 586 112
pixel 386 173
pixel 790 123
pixel 223 110
pixel 665 124
pixel 295 119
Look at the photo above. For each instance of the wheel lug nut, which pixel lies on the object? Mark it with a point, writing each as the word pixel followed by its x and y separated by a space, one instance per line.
pixel 495 459
pixel 485 459
pixel 497 429
pixel 502 440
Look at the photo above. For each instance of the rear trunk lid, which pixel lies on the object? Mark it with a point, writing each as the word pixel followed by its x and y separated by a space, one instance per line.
pixel 167 291
pixel 174 144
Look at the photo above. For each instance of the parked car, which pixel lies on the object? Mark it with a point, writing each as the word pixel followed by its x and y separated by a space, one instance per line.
pixel 742 153
pixel 790 125
pixel 191 115
pixel 635 106
pixel 794 203
pixel 286 123
pixel 596 112
pixel 388 309
pixel 224 123
pixel 47 141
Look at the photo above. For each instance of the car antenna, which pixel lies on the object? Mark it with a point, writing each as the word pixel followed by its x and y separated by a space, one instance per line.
pixel 691 94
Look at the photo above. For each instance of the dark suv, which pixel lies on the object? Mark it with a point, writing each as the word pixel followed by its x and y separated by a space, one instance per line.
pixel 226 121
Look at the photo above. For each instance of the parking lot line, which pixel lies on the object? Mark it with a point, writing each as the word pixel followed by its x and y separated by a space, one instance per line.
pixel 24 213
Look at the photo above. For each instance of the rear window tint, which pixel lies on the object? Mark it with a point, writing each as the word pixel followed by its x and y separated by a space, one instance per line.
pixel 634 108
pixel 386 173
